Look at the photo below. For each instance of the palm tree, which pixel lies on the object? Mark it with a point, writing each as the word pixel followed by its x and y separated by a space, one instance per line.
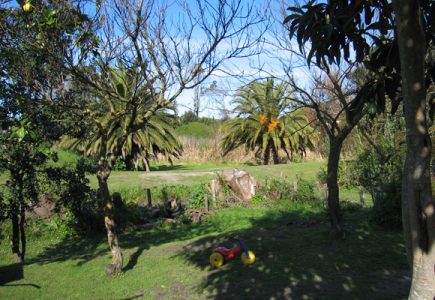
pixel 267 121
pixel 157 138
pixel 154 139
pixel 120 112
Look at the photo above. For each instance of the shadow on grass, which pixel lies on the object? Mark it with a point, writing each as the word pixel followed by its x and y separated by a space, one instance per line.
pixel 84 249
pixel 298 259
pixel 12 273
pixel 169 168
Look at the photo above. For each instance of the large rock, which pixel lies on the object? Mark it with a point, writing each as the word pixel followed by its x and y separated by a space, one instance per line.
pixel 46 206
pixel 241 183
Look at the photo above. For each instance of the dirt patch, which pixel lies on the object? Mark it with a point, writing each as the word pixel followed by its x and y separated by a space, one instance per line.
pixel 174 176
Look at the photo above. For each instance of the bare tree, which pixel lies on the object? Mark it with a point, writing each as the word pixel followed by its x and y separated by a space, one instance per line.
pixel 331 94
pixel 216 97
pixel 164 49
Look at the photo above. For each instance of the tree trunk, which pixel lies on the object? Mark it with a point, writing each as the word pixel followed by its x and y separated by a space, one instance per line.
pixel 274 154
pixel 418 206
pixel 22 230
pixel 332 183
pixel 15 235
pixel 129 162
pixel 266 155
pixel 146 164
pixel 147 190
pixel 109 222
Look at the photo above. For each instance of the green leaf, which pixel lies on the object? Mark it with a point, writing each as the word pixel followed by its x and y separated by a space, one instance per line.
pixel 21 133
pixel 120 89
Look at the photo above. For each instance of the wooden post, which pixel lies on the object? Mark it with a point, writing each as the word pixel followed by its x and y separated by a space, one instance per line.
pixel 206 202
pixel 362 198
pixel 213 192
pixel 149 199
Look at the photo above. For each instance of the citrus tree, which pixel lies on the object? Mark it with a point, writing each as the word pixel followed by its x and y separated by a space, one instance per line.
pixel 267 121
pixel 35 35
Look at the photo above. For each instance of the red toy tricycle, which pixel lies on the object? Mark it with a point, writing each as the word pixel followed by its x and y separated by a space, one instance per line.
pixel 222 255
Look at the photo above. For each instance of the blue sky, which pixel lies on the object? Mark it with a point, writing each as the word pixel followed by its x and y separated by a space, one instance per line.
pixel 245 69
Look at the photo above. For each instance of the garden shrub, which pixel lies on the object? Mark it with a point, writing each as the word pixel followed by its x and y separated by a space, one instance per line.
pixel 382 178
pixel 258 199
pixel 301 191
pixel 277 189
pixel 305 193
pixel 133 195
pixel 197 196
pixel 322 175
pixel 70 186
pixel 88 164
pixel 387 211
pixel 191 196
pixel 347 177
pixel 346 174
pixel 119 164
pixel 59 225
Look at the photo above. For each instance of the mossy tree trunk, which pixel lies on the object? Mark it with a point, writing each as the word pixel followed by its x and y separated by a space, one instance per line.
pixel 105 168
pixel 109 223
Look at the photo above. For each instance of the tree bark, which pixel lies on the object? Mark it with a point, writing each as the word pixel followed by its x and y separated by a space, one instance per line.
pixel 129 162
pixel 266 155
pixel 22 231
pixel 15 235
pixel 147 190
pixel 109 222
pixel 418 205
pixel 146 164
pixel 332 184
pixel 274 154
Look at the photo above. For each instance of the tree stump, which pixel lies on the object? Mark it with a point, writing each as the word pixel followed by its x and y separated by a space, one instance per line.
pixel 241 183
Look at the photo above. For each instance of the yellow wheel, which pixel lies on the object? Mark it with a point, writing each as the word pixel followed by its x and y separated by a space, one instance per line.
pixel 250 260
pixel 217 260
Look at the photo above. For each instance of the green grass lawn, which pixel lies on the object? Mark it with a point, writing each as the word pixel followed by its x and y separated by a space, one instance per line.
pixel 297 258
pixel 201 173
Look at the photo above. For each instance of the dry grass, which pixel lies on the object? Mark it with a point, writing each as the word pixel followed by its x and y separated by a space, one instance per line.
pixel 208 149
pixel 199 150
